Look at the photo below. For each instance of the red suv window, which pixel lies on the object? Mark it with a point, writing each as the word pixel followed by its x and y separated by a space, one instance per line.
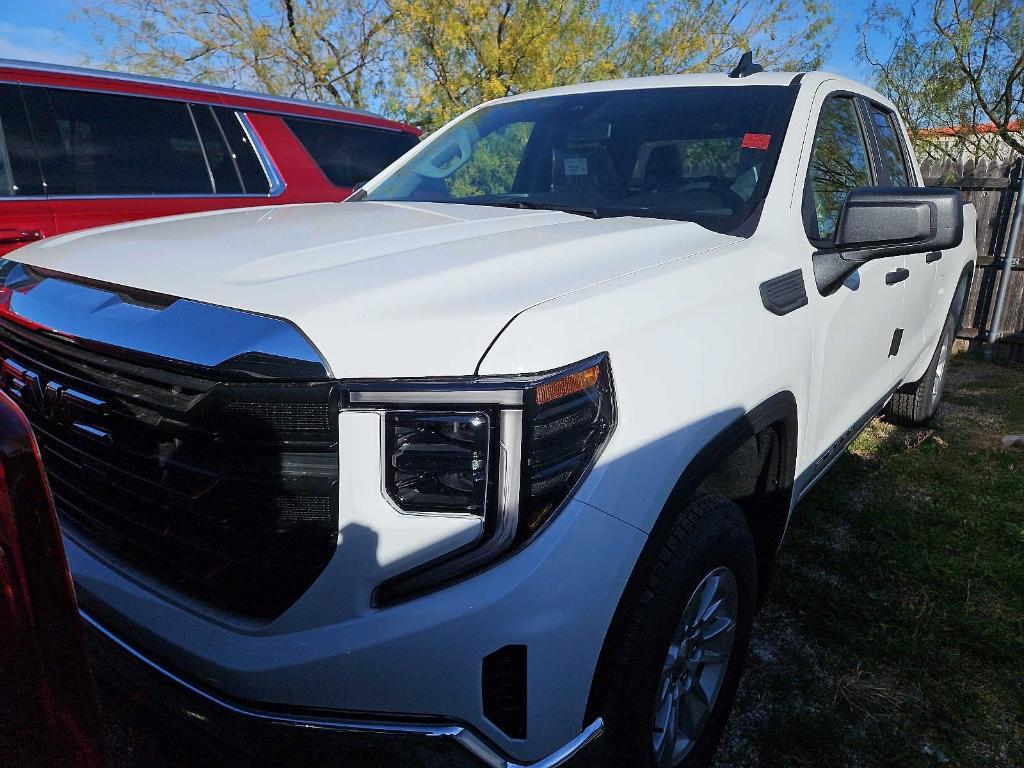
pixel 349 155
pixel 232 160
pixel 19 171
pixel 108 144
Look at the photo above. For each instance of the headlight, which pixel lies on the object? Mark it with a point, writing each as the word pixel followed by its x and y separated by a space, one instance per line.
pixel 511 450
pixel 437 462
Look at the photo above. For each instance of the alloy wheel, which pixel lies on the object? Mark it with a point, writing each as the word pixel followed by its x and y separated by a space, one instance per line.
pixel 695 666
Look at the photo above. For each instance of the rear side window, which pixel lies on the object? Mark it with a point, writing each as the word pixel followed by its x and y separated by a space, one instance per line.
pixel 107 144
pixel 234 165
pixel 839 162
pixel 254 178
pixel 349 154
pixel 894 161
pixel 19 169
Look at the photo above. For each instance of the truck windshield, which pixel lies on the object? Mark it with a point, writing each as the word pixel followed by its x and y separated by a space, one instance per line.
pixel 702 154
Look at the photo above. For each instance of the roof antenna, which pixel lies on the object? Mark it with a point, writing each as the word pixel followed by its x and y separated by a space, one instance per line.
pixel 746 67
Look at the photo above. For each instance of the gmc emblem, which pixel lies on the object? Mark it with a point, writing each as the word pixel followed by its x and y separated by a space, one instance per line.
pixel 55 402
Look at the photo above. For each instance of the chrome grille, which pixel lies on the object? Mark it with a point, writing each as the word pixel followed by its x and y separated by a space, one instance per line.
pixel 218 487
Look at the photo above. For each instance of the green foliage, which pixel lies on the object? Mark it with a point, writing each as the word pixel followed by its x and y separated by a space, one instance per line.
pixel 958 65
pixel 895 626
pixel 477 50
pixel 492 168
pixel 326 50
pixel 698 35
pixel 429 60
pixel 453 56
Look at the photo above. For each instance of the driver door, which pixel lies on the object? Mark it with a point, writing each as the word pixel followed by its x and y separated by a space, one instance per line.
pixel 853 327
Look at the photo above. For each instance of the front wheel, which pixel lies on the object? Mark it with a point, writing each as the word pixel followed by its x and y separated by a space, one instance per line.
pixel 917 406
pixel 675 677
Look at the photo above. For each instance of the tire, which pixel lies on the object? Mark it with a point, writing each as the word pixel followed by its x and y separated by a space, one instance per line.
pixel 917 406
pixel 707 548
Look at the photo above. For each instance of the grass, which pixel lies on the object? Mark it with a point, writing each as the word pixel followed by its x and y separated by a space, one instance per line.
pixel 894 631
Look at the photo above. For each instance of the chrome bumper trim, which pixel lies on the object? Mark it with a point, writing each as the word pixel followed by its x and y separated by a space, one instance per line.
pixel 557 758
pixel 135 322
pixel 466 738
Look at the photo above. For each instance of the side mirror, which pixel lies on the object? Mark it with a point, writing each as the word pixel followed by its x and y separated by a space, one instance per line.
pixel 876 222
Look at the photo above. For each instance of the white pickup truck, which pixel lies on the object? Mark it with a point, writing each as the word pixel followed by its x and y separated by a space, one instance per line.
pixel 492 460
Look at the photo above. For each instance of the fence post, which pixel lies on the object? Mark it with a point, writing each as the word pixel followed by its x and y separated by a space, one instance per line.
pixel 1008 261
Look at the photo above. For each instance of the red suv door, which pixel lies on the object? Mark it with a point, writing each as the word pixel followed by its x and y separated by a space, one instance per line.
pixel 25 213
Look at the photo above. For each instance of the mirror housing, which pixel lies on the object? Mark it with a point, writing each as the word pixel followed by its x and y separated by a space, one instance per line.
pixel 876 222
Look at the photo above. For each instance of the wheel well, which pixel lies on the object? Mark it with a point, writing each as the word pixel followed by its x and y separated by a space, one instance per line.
pixel 752 462
pixel 753 477
pixel 960 295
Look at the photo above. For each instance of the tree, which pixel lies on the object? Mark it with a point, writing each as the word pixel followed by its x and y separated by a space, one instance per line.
pixel 476 50
pixel 480 49
pixel 957 68
pixel 429 60
pixel 328 50
pixel 709 35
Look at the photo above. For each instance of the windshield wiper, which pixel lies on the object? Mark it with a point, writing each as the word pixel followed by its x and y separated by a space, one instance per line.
pixel 536 206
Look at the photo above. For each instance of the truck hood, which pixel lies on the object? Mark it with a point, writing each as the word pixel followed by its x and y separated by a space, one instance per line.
pixel 381 289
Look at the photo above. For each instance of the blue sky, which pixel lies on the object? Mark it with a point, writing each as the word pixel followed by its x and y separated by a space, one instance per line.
pixel 45 30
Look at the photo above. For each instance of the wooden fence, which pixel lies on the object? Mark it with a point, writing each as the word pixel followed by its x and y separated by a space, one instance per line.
pixel 991 186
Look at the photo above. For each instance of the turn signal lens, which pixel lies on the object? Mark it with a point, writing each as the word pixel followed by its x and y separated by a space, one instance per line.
pixel 567 385
pixel 564 430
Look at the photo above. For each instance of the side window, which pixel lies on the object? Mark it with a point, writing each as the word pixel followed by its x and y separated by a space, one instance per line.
pixel 254 179
pixel 233 162
pixel 223 171
pixel 349 154
pixel 19 168
pixel 7 185
pixel 106 144
pixel 894 161
pixel 492 168
pixel 839 162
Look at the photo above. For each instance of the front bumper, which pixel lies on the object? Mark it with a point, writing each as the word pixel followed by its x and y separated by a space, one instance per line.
pixel 420 661
pixel 240 733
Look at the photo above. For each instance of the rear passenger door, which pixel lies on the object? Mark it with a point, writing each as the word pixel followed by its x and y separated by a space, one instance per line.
pixel 108 158
pixel 895 169
pixel 25 214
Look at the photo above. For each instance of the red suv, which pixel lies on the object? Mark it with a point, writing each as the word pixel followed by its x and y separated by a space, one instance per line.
pixel 82 148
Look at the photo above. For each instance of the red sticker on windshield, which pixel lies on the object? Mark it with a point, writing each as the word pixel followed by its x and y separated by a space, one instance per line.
pixel 756 140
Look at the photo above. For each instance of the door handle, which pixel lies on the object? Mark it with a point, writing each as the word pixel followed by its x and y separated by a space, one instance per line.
pixel 12 236
pixel 898 276
pixel 933 256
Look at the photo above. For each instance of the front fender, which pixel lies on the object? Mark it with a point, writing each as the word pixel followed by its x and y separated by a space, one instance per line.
pixel 692 348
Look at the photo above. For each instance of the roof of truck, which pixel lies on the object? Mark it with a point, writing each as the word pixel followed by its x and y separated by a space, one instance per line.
pixel 691 80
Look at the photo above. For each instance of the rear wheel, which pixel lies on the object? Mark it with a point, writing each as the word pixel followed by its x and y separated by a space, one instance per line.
pixel 683 651
pixel 917 406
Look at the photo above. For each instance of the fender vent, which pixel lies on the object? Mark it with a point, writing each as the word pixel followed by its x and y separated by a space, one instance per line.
pixel 504 689
pixel 785 293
